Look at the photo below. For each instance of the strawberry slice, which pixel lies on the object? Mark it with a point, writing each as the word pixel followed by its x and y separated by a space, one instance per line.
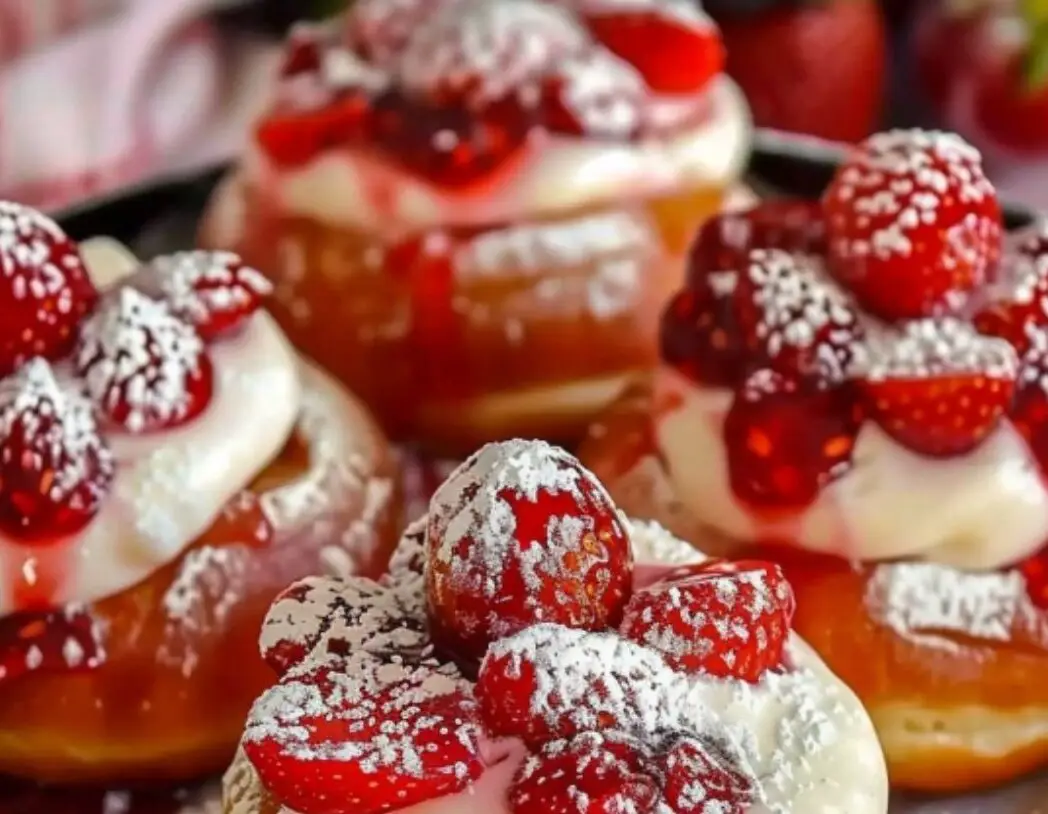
pixel 786 441
pixel 676 48
pixel 522 533
pixel 702 775
pixel 550 682
pixel 45 288
pixel 142 367
pixel 362 736
pixel 938 387
pixel 213 291
pixel 913 224
pixel 726 619
pixel 55 468
pixel 59 641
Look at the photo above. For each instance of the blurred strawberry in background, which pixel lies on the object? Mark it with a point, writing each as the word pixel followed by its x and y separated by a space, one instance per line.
pixel 816 67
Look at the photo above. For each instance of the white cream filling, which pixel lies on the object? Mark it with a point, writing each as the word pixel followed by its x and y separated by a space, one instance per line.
pixel 979 511
pixel 169 486
pixel 558 175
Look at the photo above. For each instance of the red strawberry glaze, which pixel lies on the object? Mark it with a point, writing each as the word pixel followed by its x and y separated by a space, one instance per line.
pixel 44 287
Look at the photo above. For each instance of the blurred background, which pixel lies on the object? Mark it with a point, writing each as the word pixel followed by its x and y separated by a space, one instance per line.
pixel 97 94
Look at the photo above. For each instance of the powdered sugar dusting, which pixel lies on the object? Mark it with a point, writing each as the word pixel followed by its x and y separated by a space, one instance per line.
pixel 197 284
pixel 605 94
pixel 27 238
pixel 939 347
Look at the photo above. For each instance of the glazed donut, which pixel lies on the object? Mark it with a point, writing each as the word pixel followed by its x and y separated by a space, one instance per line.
pixel 581 639
pixel 167 464
pixel 484 255
pixel 879 432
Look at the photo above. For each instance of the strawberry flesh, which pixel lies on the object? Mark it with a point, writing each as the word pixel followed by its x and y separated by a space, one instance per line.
pixel 729 620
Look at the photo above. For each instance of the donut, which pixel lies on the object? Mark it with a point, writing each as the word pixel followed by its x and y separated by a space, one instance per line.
pixel 167 464
pixel 473 210
pixel 532 649
pixel 854 389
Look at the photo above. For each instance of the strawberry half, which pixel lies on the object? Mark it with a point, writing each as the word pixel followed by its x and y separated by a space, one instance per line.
pixel 361 736
pixel 522 533
pixel 45 289
pixel 212 291
pixel 938 387
pixel 913 224
pixel 550 682
pixel 55 468
pixel 726 619
pixel 58 641
pixel 142 367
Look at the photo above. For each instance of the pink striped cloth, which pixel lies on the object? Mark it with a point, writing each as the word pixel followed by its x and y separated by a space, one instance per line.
pixel 97 94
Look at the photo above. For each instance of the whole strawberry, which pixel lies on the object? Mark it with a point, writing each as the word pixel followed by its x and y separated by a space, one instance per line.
pixel 814 67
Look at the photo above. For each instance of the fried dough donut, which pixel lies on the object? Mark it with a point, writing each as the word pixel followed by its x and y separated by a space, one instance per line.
pixel 500 294
pixel 167 464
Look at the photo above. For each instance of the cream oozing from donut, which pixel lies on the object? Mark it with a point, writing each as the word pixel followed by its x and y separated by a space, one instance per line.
pixel 981 510
pixel 169 486
pixel 344 187
pixel 804 735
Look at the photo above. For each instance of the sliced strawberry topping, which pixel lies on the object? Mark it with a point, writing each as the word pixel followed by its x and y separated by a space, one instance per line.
pixel 143 367
pixel 293 137
pixel 729 620
pixel 362 736
pixel 914 226
pixel 674 46
pixel 212 291
pixel 610 773
pixel 786 440
pixel 1029 413
pixel 522 533
pixel 60 641
pixel 44 287
pixel 352 615
pixel 700 334
pixel 55 469
pixel 804 324
pixel 551 682
pixel 938 387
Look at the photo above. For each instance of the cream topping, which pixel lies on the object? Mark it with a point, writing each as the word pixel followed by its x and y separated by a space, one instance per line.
pixel 555 175
pixel 979 511
pixel 169 486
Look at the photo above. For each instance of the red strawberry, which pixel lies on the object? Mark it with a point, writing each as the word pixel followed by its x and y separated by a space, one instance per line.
pixel 355 614
pixel 719 618
pixel 703 775
pixel 1018 303
pixel 1034 570
pixel 364 737
pixel 56 641
pixel 945 38
pixel 828 76
pixel 522 533
pixel 55 469
pixel 700 334
pixel 786 441
pixel 913 224
pixel 674 46
pixel 294 136
pixel 938 387
pixel 303 51
pixel 45 288
pixel 212 291
pixel 594 94
pixel 1029 413
pixel 381 29
pixel 550 682
pixel 143 368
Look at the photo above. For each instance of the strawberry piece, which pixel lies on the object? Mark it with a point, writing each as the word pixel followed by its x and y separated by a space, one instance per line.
pixel 729 620
pixel 1034 570
pixel 550 682
pixel 701 776
pixel 293 137
pixel 45 288
pixel 55 468
pixel 1029 413
pixel 805 325
pixel 675 47
pixel 700 334
pixel 938 387
pixel 212 291
pixel 409 559
pixel 914 225
pixel 594 94
pixel 382 29
pixel 787 441
pixel 303 51
pixel 726 240
pixel 58 641
pixel 522 533
pixel 142 367
pixel 362 736
pixel 1018 303
pixel 355 614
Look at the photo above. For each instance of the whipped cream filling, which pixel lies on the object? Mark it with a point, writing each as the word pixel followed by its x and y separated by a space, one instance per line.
pixel 806 737
pixel 169 486
pixel 979 511
pixel 355 189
